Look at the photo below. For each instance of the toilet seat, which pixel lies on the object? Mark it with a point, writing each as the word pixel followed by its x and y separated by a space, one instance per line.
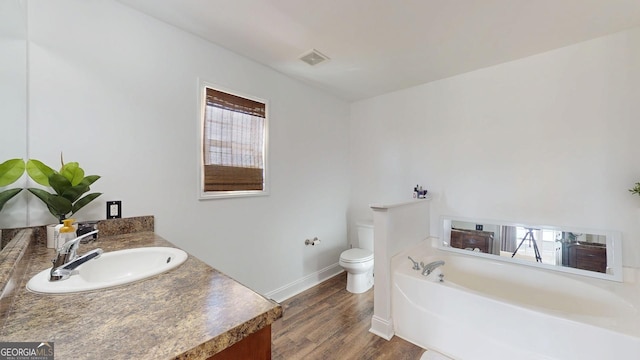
pixel 356 255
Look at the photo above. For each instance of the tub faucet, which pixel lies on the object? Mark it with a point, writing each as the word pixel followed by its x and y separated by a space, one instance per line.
pixel 428 268
pixel 67 259
pixel 416 266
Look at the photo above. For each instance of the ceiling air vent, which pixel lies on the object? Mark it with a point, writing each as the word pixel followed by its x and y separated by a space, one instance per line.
pixel 313 57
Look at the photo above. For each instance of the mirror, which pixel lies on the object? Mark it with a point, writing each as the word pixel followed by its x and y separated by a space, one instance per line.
pixel 586 252
pixel 13 100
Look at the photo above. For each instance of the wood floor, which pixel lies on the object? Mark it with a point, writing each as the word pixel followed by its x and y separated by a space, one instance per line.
pixel 328 322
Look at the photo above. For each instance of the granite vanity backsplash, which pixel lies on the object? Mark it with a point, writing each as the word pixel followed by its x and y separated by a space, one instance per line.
pixel 107 227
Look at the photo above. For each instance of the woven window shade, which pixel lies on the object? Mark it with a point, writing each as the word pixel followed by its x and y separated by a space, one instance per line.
pixel 234 103
pixel 233 144
pixel 229 178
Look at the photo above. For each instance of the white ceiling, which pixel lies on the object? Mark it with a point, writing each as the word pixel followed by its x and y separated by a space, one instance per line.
pixel 378 46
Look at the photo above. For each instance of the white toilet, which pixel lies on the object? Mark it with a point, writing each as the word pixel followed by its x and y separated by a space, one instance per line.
pixel 358 262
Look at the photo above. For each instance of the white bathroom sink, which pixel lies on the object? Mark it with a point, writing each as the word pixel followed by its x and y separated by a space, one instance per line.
pixel 111 269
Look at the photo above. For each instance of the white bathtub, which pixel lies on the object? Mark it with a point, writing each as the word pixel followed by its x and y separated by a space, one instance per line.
pixel 494 310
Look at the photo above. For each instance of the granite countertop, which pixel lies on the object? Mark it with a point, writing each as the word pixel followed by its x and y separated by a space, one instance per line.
pixel 191 312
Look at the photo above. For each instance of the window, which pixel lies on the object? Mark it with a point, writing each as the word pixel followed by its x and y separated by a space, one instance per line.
pixel 234 144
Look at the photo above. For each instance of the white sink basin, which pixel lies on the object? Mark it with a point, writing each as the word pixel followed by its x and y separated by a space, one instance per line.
pixel 111 269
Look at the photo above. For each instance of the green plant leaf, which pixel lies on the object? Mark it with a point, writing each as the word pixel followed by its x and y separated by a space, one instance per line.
pixel 6 195
pixel 89 179
pixel 59 183
pixel 58 206
pixel 73 172
pixel 39 172
pixel 73 193
pixel 10 171
pixel 41 194
pixel 84 201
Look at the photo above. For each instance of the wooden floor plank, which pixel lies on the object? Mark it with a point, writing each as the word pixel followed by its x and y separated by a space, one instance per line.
pixel 328 322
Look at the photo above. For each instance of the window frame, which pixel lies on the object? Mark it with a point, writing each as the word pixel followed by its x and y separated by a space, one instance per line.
pixel 202 101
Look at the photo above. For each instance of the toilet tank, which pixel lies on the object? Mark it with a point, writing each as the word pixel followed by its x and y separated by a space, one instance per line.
pixel 365 235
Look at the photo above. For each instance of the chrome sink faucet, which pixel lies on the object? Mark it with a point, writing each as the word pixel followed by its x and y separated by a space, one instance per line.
pixel 67 259
pixel 428 268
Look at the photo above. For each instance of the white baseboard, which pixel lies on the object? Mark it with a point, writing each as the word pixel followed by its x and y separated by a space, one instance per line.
pixel 309 281
pixel 434 355
pixel 382 327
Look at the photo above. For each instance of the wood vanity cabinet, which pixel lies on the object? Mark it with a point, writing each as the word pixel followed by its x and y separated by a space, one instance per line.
pixel 256 346
pixel 463 239
pixel 587 257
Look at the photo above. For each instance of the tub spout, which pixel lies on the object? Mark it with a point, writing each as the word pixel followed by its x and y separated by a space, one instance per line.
pixel 428 268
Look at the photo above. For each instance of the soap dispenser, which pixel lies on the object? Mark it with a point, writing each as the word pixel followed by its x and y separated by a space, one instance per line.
pixel 67 232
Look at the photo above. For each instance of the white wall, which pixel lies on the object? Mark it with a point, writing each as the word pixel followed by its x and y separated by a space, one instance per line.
pixel 117 91
pixel 550 139
pixel 13 102
pixel 547 139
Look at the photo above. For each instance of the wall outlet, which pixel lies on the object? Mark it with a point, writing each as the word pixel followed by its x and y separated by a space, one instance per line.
pixel 114 209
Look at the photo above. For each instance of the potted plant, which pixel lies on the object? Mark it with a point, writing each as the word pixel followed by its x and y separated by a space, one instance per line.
pixel 10 172
pixel 635 189
pixel 69 185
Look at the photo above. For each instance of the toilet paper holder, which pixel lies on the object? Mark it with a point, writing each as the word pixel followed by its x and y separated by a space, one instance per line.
pixel 312 242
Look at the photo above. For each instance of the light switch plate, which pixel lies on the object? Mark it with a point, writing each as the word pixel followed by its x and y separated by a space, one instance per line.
pixel 114 209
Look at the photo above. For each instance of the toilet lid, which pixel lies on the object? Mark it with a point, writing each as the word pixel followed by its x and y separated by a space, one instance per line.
pixel 356 255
